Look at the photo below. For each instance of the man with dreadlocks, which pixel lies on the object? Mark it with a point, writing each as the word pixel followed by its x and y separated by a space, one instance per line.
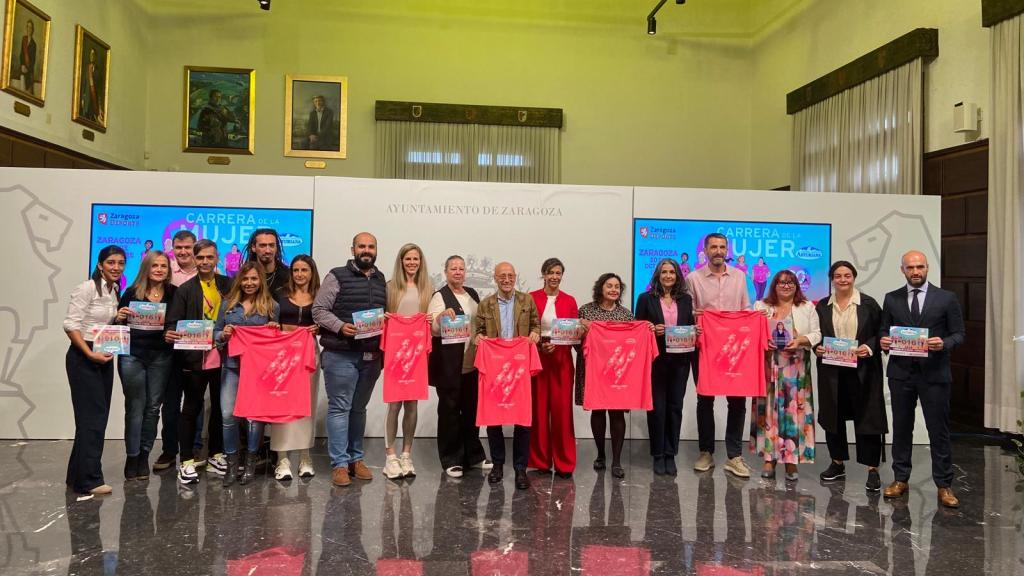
pixel 265 248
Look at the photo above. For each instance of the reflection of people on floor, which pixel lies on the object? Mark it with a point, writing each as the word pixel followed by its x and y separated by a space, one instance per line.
pixel 705 555
pixel 137 534
pixel 663 531
pixel 868 529
pixel 785 524
pixel 550 527
pixel 456 530
pixel 397 556
pixel 87 556
pixel 341 548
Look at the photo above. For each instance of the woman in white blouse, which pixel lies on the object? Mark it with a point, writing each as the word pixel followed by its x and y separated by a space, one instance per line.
pixel 91 374
pixel 782 427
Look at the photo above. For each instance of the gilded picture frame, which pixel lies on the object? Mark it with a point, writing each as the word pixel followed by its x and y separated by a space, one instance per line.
pixel 24 74
pixel 219 115
pixel 90 93
pixel 315 116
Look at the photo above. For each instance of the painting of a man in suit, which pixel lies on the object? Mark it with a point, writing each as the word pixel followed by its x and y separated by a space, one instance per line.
pixel 321 126
pixel 316 122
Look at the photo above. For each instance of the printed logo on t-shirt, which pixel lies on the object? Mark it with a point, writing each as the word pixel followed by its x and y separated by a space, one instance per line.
pixel 505 382
pixel 731 353
pixel 281 366
pixel 618 364
pixel 404 362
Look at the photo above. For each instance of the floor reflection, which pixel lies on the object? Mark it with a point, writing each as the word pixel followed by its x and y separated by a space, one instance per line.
pixel 592 524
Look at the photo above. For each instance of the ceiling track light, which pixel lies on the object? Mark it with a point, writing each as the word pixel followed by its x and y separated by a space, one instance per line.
pixel 265 4
pixel 652 22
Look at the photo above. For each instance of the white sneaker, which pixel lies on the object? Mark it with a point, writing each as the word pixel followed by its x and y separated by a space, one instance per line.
pixel 218 464
pixel 705 462
pixel 484 465
pixel 283 470
pixel 406 463
pixel 737 467
pixel 306 467
pixel 393 468
pixel 187 472
pixel 454 471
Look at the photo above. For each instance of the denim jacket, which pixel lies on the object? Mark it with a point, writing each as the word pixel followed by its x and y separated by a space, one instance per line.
pixel 236 317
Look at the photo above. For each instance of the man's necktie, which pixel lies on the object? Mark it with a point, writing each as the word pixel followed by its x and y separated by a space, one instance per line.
pixel 915 307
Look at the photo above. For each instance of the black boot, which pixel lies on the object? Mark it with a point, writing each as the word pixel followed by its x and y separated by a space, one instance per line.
pixel 230 477
pixel 250 468
pixel 142 468
pixel 130 465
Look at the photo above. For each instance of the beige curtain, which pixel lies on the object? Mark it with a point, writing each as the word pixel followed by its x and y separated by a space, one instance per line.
pixel 468 152
pixel 1004 313
pixel 865 139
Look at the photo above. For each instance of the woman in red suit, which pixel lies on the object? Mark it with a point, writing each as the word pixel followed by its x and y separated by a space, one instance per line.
pixel 553 438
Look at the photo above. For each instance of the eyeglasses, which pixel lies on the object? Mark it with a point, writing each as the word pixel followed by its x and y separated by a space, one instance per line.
pixel 786 283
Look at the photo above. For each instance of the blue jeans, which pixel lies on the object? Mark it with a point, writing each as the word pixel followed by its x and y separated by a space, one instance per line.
pixel 228 392
pixel 144 376
pixel 349 381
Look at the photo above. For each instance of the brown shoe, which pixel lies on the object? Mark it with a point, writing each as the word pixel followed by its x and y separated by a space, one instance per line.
pixel 360 471
pixel 105 489
pixel 339 477
pixel 896 489
pixel 947 499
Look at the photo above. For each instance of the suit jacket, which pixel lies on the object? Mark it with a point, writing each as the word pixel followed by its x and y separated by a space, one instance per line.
pixel 325 132
pixel 488 318
pixel 941 315
pixel 187 304
pixel 648 307
pixel 870 399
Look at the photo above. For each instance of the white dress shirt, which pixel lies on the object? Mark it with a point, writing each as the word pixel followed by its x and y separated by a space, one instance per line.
pixel 87 309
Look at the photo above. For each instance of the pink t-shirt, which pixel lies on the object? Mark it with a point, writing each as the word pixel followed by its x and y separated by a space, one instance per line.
pixel 618 371
pixel 732 346
pixel 273 381
pixel 761 272
pixel 504 386
pixel 406 344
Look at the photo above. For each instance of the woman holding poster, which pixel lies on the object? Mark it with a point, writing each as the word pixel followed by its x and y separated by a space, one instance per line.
pixel 295 307
pixel 851 393
pixel 146 371
pixel 667 305
pixel 91 373
pixel 782 429
pixel 553 438
pixel 409 292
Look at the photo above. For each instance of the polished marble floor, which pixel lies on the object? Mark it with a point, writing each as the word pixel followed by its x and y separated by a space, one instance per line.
pixel 707 524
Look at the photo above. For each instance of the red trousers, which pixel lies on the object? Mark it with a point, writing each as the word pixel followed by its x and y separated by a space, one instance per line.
pixel 552 436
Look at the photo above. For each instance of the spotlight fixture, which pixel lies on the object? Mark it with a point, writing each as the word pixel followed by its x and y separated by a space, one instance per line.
pixel 265 4
pixel 652 23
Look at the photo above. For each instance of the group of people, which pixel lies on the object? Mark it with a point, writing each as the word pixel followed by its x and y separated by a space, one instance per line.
pixel 268 292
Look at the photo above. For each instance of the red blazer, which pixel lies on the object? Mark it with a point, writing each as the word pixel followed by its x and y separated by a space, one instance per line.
pixel 565 305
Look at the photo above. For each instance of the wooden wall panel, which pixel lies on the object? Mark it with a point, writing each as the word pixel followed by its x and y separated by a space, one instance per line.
pixel 25 155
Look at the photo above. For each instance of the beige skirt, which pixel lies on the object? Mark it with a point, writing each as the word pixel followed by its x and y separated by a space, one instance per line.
pixel 298 434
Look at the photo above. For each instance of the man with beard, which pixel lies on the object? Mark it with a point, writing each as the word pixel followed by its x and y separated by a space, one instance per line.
pixel 350 366
pixel 213 122
pixel 922 305
pixel 266 249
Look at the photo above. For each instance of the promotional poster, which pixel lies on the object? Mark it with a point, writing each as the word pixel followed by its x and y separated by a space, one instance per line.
pixel 908 341
pixel 680 339
pixel 566 332
pixel 759 249
pixel 369 323
pixel 455 330
pixel 195 335
pixel 839 352
pixel 111 339
pixel 147 315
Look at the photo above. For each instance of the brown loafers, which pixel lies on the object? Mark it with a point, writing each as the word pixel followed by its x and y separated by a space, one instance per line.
pixel 947 498
pixel 896 489
pixel 360 470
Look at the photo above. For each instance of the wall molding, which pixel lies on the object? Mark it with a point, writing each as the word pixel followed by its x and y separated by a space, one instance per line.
pixel 397 111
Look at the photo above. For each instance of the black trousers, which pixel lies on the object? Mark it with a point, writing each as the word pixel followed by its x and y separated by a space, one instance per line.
pixel 734 423
pixel 458 437
pixel 934 397
pixel 171 409
pixel 668 386
pixel 194 385
pixel 91 386
pixel 520 446
pixel 869 446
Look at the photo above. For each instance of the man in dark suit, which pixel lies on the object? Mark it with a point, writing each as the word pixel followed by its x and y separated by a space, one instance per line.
pixel 320 126
pixel 922 305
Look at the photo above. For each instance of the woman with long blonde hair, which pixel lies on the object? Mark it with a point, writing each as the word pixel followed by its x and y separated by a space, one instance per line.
pixel 409 292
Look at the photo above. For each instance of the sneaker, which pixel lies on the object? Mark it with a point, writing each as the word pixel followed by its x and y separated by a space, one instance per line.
pixel 283 471
pixel 165 461
pixel 101 490
pixel 405 460
pixel 738 467
pixel 874 483
pixel 360 470
pixel 833 472
pixel 393 468
pixel 705 462
pixel 454 471
pixel 484 465
pixel 217 464
pixel 187 472
pixel 306 467
pixel 340 477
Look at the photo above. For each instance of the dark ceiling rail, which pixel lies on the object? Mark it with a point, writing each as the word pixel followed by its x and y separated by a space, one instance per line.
pixel 995 11
pixel 468 114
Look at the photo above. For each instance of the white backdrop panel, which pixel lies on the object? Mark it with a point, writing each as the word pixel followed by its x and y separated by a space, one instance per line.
pixel 587 227
pixel 46 225
pixel 870 230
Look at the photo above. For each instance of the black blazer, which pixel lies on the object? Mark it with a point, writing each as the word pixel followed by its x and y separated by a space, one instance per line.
pixel 941 315
pixel 870 399
pixel 187 304
pixel 648 308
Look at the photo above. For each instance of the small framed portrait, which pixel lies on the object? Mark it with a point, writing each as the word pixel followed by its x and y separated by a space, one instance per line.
pixel 92 78
pixel 220 109
pixel 315 116
pixel 26 48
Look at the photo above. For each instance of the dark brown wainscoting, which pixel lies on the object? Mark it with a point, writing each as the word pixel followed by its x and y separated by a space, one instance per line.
pixel 19 150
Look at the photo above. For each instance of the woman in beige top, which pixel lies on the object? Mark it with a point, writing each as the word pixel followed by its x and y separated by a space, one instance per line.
pixel 409 292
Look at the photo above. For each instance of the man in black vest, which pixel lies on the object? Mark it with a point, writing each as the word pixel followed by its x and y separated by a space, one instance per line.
pixel 351 366
pixel 454 377
pixel 920 304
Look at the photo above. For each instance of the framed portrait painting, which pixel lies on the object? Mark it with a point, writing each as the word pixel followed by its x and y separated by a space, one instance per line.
pixel 26 49
pixel 92 79
pixel 220 108
pixel 315 116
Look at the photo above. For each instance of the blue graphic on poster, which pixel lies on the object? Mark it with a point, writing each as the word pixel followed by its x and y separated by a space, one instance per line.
pixel 760 249
pixel 140 228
